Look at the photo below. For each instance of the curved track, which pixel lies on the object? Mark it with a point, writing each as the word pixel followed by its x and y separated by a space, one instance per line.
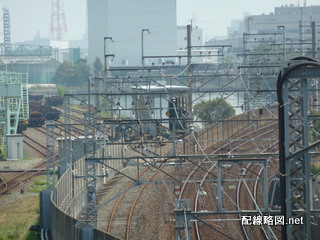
pixel 259 139
pixel 238 144
pixel 126 204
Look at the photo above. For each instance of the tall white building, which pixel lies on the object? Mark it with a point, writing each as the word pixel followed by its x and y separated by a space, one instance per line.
pixel 124 21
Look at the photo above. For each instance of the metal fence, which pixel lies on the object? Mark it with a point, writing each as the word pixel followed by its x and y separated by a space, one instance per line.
pixel 68 201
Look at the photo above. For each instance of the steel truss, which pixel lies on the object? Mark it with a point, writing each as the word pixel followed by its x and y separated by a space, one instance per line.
pixel 141 101
pixel 184 215
pixel 6 28
pixel 67 130
pixel 51 156
pixel 296 102
pixel 14 105
pixel 201 79
pixel 90 148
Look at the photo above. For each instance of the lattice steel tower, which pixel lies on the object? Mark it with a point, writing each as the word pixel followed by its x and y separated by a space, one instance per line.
pixel 6 28
pixel 58 29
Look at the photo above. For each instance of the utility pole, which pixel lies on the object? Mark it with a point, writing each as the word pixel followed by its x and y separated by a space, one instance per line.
pixel 282 27
pixel 105 54
pixel 142 54
pixel 314 39
pixel 189 96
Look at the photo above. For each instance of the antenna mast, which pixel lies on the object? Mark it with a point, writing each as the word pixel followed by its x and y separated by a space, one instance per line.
pixel 58 29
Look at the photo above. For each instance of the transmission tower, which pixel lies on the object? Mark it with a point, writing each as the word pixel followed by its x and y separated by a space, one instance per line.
pixel 297 142
pixel 58 29
pixel 6 28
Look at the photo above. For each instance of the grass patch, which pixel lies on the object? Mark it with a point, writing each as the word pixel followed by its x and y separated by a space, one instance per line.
pixel 26 158
pixel 32 235
pixel 16 219
pixel 39 184
pixel 315 170
pixel 6 178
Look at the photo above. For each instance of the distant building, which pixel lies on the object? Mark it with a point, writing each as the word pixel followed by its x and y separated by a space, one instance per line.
pixel 236 29
pixel 39 70
pixel 295 19
pixel 123 21
pixel 290 16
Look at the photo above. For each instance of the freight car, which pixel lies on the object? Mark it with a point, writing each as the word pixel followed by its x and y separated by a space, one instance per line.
pixel 54 101
pixel 36 119
pixel 22 126
pixel 35 97
pixel 47 111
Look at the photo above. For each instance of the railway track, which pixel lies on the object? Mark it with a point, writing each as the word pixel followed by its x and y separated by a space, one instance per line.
pixel 254 197
pixel 247 198
pixel 21 178
pixel 25 175
pixel 38 147
pixel 122 217
pixel 247 194
pixel 122 213
pixel 237 143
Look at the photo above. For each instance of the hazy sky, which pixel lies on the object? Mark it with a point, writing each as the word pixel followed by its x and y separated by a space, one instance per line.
pixel 30 16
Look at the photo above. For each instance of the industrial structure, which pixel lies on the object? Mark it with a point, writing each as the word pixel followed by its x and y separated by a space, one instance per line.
pixel 6 28
pixel 143 115
pixel 141 129
pixel 58 27
pixel 38 59
pixel 14 104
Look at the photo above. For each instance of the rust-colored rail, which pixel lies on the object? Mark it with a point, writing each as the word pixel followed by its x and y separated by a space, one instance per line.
pixel 12 183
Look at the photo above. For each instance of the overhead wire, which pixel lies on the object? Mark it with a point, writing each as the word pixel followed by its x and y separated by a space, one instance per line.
pixel 197 141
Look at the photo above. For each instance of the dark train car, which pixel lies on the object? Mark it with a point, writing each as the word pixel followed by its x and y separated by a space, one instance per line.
pixel 50 113
pixel 47 111
pixel 34 105
pixel 36 119
pixel 177 109
pixel 22 126
pixel 35 97
pixel 54 101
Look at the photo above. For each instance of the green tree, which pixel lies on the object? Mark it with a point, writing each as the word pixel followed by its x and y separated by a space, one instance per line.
pixel 81 72
pixel 97 66
pixel 214 110
pixel 64 73
pixel 69 74
pixel 61 90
